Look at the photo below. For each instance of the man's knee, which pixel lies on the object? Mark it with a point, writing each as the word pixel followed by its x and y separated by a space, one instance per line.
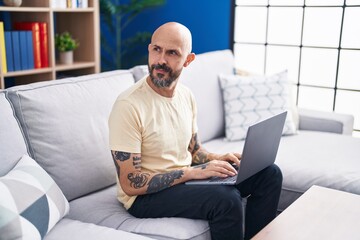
pixel 274 172
pixel 227 199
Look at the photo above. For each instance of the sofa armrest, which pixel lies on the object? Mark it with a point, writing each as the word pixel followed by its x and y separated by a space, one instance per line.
pixel 314 120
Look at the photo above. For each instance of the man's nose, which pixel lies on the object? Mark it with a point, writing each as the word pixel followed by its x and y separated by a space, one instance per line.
pixel 162 58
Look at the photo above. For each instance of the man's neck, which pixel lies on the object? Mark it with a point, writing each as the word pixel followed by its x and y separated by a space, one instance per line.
pixel 167 92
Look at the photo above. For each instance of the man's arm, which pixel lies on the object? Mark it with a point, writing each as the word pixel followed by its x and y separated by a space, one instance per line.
pixel 136 182
pixel 201 156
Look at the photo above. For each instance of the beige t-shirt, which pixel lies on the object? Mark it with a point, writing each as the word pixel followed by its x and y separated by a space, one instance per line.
pixel 160 128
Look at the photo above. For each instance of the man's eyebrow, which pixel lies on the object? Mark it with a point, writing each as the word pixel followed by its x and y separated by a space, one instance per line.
pixel 154 45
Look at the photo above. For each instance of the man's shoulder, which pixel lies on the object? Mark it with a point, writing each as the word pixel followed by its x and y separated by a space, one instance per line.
pixel 132 92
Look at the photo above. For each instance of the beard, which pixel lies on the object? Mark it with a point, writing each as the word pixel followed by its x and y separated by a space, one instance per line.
pixel 159 80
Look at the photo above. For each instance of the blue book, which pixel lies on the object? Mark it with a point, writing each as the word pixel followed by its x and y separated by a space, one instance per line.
pixel 9 51
pixel 30 49
pixel 23 50
pixel 16 50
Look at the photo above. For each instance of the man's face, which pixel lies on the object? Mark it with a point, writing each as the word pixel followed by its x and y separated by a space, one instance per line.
pixel 166 61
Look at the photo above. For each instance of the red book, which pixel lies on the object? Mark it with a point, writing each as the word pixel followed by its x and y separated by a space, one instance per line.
pixel 44 48
pixel 35 28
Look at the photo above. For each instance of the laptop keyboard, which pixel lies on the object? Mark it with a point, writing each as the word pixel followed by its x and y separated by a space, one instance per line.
pixel 228 179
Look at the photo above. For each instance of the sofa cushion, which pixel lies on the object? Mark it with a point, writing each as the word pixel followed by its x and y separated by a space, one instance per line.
pixel 201 76
pixel 139 71
pixel 66 126
pixel 310 158
pixel 31 203
pixel 250 99
pixel 76 230
pixel 12 143
pixel 107 211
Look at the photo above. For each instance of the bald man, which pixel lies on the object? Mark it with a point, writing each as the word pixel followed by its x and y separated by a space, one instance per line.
pixel 155 147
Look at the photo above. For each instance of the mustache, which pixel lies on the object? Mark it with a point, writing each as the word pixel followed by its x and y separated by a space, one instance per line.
pixel 161 67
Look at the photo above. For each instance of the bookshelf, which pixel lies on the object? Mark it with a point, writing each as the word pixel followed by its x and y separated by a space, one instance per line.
pixel 82 23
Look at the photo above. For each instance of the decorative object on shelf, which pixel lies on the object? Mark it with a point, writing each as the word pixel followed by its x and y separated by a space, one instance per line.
pixel 12 3
pixel 66 44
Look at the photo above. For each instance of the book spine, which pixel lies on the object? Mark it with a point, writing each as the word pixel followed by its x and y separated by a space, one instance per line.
pixel 23 50
pixel 35 28
pixel 9 52
pixel 2 48
pixel 16 50
pixel 30 49
pixel 44 48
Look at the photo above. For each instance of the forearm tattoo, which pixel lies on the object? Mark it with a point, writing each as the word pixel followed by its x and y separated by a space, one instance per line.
pixel 164 180
pixel 202 166
pixel 138 180
pixel 198 154
pixel 194 145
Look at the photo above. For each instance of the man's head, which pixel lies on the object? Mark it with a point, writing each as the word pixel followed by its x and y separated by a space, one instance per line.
pixel 169 52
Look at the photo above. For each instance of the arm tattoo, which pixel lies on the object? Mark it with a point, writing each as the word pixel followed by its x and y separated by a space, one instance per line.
pixel 162 181
pixel 122 156
pixel 138 180
pixel 202 166
pixel 137 162
pixel 194 145
pixel 201 157
pixel 119 156
pixel 198 154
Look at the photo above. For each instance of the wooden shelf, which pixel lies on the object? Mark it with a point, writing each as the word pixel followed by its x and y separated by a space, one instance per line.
pixel 82 23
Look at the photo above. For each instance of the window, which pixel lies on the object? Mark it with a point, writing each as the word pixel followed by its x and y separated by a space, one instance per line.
pixel 317 41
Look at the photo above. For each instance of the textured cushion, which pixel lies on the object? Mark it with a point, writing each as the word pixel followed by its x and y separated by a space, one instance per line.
pixel 201 76
pixel 30 202
pixel 66 125
pixel 250 99
pixel 107 211
pixel 12 143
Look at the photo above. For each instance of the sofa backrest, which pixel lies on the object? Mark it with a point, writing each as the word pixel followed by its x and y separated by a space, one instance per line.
pixel 65 123
pixel 12 143
pixel 201 76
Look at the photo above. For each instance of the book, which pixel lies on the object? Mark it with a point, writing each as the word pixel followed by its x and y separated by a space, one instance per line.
pixel 44 47
pixel 35 28
pixel 2 48
pixel 23 50
pixel 16 50
pixel 9 52
pixel 30 49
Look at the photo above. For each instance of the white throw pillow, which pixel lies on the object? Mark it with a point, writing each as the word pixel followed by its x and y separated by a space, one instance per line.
pixel 31 203
pixel 250 99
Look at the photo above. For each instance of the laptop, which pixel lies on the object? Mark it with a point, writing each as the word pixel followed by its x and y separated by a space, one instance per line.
pixel 260 149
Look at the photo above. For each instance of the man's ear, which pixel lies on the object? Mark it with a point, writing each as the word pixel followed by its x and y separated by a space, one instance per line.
pixel 189 59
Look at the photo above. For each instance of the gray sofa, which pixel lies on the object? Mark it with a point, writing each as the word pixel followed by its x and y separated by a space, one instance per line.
pixel 62 125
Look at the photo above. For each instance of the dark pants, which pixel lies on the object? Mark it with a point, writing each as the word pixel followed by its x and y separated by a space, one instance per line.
pixel 219 205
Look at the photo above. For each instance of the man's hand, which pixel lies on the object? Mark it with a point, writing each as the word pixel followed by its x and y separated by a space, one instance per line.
pixel 231 157
pixel 214 168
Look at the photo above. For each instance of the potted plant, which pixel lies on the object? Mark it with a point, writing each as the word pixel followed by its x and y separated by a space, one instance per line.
pixel 65 44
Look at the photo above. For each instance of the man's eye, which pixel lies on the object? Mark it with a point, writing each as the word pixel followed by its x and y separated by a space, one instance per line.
pixel 173 53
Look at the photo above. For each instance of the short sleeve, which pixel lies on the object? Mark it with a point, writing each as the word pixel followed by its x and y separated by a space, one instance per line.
pixel 124 128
